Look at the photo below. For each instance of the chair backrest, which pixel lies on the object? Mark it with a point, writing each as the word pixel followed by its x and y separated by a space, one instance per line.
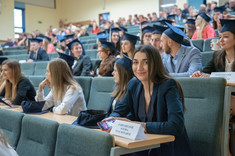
pixel 27 68
pixel 101 89
pixel 207 44
pixel 85 83
pixel 79 141
pixel 93 61
pixel 206 57
pixel 204 102
pixel 92 53
pixel 198 43
pixel 38 137
pixel 40 67
pixel 10 123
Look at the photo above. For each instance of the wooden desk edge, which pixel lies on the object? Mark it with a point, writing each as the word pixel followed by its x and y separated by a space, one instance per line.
pixel 230 84
pixel 142 143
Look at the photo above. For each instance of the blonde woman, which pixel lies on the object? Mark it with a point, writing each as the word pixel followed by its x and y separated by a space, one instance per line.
pixel 5 148
pixel 17 87
pixel 66 96
pixel 204 29
pixel 47 45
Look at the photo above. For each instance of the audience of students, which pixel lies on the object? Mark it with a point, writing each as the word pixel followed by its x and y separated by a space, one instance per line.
pixel 66 95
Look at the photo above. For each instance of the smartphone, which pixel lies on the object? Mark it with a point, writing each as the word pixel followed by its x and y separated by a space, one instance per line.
pixel 105 125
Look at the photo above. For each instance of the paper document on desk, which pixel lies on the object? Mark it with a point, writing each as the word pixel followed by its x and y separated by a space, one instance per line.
pixel 229 76
pixel 128 130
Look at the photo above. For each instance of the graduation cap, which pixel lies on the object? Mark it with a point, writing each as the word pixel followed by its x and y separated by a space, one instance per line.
pixel 220 9
pixel 147 29
pixel 61 39
pixel 175 33
pixel 69 59
pixel 102 36
pixel 115 30
pixel 33 107
pixel 190 21
pixel 227 25
pixel 109 45
pixel 48 38
pixel 125 62
pixel 131 38
pixel 123 29
pixel 69 36
pixel 172 16
pixel 164 21
pixel 158 29
pixel 2 59
pixel 54 35
pixel 72 43
pixel 144 23
pixel 36 40
pixel 205 16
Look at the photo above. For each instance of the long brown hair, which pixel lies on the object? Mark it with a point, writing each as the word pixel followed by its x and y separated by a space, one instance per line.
pixel 124 78
pixel 156 71
pixel 106 65
pixel 3 139
pixel 191 30
pixel 61 78
pixel 132 49
pixel 11 88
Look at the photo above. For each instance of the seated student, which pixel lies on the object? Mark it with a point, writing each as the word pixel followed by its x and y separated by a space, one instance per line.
pixel 47 45
pixel 5 148
pixel 68 38
pixel 146 35
pixel 82 64
pixel 104 67
pixel 115 38
pixel 156 37
pixel 128 44
pixel 190 27
pixel 122 32
pixel 66 94
pixel 204 30
pixel 179 60
pixel 17 87
pixel 36 52
pixel 155 100
pixel 217 15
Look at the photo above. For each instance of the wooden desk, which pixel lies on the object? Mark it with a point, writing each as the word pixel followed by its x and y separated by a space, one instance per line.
pixel 123 145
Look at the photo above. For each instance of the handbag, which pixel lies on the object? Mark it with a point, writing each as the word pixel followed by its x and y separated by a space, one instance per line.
pixel 32 106
pixel 89 118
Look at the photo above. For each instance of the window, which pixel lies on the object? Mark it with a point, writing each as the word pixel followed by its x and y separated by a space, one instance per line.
pixel 19 21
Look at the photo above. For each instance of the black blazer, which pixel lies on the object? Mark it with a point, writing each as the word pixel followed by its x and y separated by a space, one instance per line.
pixel 211 67
pixel 168 117
pixel 41 55
pixel 83 66
pixel 25 91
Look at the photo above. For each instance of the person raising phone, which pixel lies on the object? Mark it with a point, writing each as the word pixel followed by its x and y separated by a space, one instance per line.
pixel 66 94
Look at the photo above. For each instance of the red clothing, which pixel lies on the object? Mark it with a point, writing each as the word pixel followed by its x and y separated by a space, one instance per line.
pixel 97 30
pixel 208 32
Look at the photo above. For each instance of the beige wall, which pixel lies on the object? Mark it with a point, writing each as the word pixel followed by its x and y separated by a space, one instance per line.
pixel 48 16
pixel 78 10
pixel 180 3
pixel 6 18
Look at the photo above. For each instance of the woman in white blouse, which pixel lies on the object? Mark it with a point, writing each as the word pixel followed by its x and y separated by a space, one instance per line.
pixel 66 94
pixel 5 148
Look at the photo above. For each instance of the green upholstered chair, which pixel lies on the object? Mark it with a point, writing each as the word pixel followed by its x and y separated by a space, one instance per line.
pixel 92 53
pixel 38 137
pixel 204 102
pixel 206 57
pixel 101 89
pixel 79 141
pixel 198 43
pixel 40 67
pixel 85 83
pixel 207 45
pixel 27 68
pixel 10 123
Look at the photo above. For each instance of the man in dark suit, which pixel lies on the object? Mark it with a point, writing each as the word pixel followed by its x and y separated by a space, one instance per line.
pixel 37 53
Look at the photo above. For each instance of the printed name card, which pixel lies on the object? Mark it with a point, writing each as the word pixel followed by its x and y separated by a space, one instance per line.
pixel 128 130
pixel 229 76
